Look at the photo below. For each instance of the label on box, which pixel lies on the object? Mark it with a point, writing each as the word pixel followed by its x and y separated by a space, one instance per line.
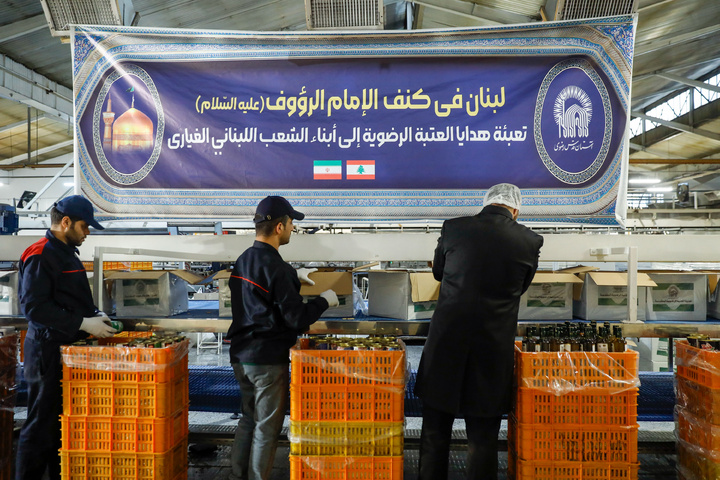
pixel 141 292
pixel 548 295
pixel 419 307
pixel 674 297
pixel 612 295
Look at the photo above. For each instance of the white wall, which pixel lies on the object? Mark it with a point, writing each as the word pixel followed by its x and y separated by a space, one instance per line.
pixel 15 182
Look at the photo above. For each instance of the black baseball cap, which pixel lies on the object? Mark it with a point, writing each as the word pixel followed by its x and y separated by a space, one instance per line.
pixel 273 207
pixel 79 207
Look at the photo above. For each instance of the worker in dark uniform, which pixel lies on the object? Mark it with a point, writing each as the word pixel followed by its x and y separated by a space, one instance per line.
pixel 484 263
pixel 58 305
pixel 268 314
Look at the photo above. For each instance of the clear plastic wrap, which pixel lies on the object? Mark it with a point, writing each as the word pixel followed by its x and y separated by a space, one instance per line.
pixel 8 365
pixel 699 365
pixel 347 410
pixel 114 379
pixel 387 468
pixel 697 463
pixel 561 373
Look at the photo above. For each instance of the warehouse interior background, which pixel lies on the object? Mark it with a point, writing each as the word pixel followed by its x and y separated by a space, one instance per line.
pixel 674 171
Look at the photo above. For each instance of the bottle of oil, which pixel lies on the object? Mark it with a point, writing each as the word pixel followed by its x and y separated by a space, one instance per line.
pixel 589 339
pixel 544 339
pixel 564 337
pixel 601 344
pixel 620 343
pixel 528 343
pixel 554 339
pixel 575 338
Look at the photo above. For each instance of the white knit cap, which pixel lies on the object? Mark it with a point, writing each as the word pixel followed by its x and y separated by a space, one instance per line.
pixel 503 194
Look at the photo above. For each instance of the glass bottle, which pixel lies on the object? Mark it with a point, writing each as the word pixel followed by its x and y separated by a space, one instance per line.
pixel 588 339
pixel 620 343
pixel 564 338
pixel 554 339
pixel 575 338
pixel 601 343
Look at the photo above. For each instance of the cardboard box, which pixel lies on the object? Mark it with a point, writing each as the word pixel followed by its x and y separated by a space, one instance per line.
pixel 337 280
pixel 224 301
pixel 653 349
pixel 108 306
pixel 9 288
pixel 713 305
pixel 156 293
pixel 655 366
pixel 402 294
pixel 603 295
pixel 678 296
pixel 549 297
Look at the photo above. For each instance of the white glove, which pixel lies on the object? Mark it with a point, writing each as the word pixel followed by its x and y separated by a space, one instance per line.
pixel 97 326
pixel 303 273
pixel 331 298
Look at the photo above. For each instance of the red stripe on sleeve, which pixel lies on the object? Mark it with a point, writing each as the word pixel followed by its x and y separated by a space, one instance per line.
pixel 242 278
pixel 74 271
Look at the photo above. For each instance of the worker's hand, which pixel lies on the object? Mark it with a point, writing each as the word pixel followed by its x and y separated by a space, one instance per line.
pixel 331 298
pixel 303 273
pixel 96 326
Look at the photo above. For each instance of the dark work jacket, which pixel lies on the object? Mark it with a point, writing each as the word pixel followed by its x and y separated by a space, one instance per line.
pixel 267 308
pixel 54 291
pixel 484 263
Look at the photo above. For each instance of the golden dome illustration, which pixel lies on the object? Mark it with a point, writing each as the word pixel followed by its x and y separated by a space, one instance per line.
pixel 133 130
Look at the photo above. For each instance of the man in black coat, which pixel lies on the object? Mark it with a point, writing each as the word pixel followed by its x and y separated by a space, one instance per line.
pixel 485 263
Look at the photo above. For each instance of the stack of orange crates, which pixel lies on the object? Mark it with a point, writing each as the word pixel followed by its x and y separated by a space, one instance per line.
pixel 131 266
pixel 347 414
pixel 575 416
pixel 125 411
pixel 697 412
pixel 8 364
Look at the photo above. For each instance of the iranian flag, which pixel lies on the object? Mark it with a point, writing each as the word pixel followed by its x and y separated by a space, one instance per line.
pixel 360 170
pixel 327 170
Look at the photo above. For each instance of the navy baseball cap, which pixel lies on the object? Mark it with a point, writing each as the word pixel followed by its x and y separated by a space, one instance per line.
pixel 273 207
pixel 79 207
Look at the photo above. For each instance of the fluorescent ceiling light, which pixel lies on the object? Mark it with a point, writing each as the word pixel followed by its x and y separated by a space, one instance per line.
pixel 660 189
pixel 69 184
pixel 644 181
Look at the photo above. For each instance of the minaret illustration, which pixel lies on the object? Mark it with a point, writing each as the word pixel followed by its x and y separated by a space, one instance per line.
pixel 108 117
pixel 132 131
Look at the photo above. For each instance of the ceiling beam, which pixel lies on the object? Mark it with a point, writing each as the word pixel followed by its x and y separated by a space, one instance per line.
pixel 687 81
pixel 674 161
pixel 21 123
pixel 23 27
pixel 42 151
pixel 23 85
pixel 657 153
pixel 659 44
pixel 679 126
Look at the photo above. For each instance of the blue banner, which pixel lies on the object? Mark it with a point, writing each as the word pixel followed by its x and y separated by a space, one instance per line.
pixel 381 126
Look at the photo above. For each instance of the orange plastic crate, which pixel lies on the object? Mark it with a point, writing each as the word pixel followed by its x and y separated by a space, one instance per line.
pixel 123 434
pixel 347 367
pixel 701 401
pixel 575 443
pixel 125 466
pixel 697 431
pixel 107 363
pixel 125 399
pixel 576 471
pixel 698 365
pixel 595 406
pixel 697 463
pixel 365 439
pixel 345 468
pixel 347 404
pixel 565 372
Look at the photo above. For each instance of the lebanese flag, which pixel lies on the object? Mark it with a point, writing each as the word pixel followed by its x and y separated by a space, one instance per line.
pixel 360 170
pixel 327 170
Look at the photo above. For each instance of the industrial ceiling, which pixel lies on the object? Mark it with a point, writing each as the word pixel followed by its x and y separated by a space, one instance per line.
pixel 677 45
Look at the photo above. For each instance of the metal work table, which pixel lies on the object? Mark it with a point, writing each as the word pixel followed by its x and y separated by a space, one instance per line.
pixel 374 325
